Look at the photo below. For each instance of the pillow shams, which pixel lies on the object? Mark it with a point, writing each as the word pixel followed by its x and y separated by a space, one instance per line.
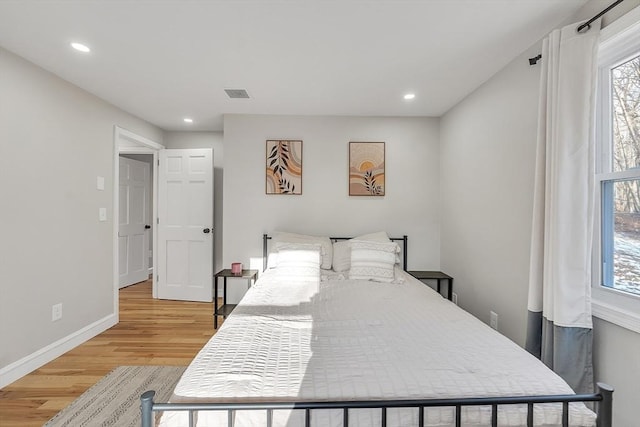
pixel 298 261
pixel 341 256
pixel 326 251
pixel 342 249
pixel 380 236
pixel 373 260
pixel 298 255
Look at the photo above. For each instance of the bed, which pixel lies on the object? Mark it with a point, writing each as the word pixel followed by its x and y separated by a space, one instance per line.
pixel 362 343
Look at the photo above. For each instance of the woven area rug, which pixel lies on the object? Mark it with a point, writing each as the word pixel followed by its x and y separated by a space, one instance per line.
pixel 115 399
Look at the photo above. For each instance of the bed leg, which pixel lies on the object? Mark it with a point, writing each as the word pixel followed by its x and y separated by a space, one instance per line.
pixel 146 406
pixel 605 406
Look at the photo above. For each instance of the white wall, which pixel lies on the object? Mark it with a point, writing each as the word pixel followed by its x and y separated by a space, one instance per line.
pixel 616 355
pixel 487 165
pixel 55 139
pixel 212 140
pixel 325 208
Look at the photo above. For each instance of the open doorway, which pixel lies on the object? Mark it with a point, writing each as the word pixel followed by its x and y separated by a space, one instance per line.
pixel 135 239
pixel 130 147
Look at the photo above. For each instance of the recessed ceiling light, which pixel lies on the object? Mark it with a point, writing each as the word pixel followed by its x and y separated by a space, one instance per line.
pixel 80 47
pixel 188 120
pixel 409 96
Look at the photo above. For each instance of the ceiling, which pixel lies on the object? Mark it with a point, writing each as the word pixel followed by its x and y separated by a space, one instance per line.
pixel 165 60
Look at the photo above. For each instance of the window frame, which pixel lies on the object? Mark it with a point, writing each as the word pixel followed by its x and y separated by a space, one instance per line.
pixel 620 42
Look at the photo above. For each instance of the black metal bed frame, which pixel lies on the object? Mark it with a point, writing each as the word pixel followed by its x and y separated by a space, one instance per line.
pixel 603 397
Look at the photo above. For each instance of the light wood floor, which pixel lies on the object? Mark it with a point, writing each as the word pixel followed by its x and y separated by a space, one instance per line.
pixel 150 332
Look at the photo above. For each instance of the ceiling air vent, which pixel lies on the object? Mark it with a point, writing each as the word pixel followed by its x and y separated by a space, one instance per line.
pixel 236 93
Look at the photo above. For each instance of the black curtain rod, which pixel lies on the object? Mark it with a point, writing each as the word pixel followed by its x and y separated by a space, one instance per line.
pixel 587 24
pixel 582 27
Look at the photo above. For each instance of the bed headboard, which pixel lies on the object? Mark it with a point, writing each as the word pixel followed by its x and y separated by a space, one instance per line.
pixel 403 239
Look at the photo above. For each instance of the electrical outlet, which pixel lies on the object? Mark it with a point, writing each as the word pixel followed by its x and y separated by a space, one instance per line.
pixel 56 312
pixel 494 320
pixel 454 298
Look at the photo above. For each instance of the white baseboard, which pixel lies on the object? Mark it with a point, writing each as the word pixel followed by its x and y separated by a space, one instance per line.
pixel 30 363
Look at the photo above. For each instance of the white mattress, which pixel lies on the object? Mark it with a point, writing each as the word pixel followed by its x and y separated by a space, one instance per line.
pixel 300 340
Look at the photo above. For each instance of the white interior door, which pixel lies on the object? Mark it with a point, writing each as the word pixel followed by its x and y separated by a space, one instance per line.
pixel 133 216
pixel 185 225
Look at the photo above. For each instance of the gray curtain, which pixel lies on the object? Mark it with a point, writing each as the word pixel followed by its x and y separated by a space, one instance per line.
pixel 559 331
pixel 568 351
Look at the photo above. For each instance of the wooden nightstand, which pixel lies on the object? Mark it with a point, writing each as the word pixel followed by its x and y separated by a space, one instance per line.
pixel 225 309
pixel 435 275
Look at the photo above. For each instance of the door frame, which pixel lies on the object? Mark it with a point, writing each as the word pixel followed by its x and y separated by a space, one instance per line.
pixel 127 142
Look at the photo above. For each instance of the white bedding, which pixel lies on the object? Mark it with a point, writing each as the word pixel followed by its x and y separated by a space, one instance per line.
pixel 308 339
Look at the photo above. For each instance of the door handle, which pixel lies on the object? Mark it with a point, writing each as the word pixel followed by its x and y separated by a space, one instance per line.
pixel 206 230
pixel 146 227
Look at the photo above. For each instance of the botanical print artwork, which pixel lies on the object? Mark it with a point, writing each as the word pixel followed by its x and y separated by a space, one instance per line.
pixel 284 167
pixel 366 169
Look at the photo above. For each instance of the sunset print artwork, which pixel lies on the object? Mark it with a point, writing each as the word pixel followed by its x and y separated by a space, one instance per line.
pixel 366 169
pixel 284 167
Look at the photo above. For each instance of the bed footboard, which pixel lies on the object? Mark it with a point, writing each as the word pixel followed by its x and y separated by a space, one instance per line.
pixel 603 398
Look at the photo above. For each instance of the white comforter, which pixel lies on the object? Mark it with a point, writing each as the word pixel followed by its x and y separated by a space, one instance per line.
pixel 304 339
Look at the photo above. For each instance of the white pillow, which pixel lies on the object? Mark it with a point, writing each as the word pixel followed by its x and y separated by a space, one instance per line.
pixel 373 260
pixel 298 261
pixel 341 256
pixel 298 254
pixel 272 259
pixel 379 236
pixel 342 249
pixel 326 247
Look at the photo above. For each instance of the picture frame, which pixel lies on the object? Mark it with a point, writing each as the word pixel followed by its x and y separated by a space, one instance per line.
pixel 283 167
pixel 367 169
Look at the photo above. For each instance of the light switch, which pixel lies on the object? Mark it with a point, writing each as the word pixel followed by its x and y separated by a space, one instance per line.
pixel 102 214
pixel 100 183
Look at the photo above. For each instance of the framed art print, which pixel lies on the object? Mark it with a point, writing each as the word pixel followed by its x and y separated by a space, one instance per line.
pixel 284 167
pixel 366 169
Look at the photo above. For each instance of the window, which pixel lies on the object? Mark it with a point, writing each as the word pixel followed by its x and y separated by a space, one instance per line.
pixel 620 179
pixel 616 291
